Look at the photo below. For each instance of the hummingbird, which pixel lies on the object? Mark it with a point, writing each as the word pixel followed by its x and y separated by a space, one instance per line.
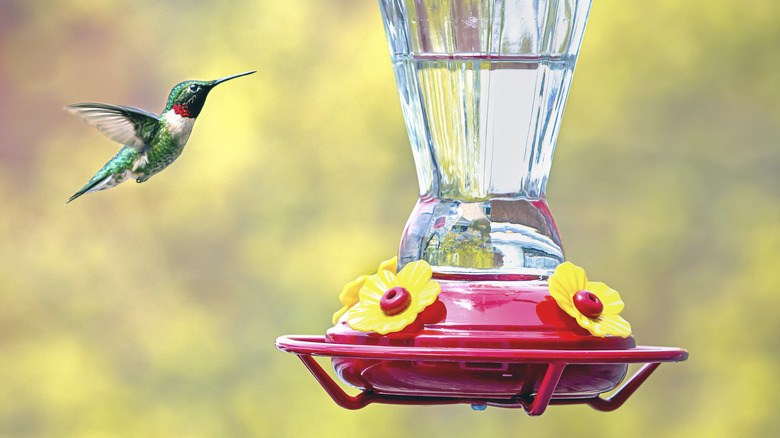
pixel 151 142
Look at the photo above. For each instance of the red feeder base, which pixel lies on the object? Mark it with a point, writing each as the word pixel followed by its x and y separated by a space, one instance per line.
pixel 497 343
pixel 554 362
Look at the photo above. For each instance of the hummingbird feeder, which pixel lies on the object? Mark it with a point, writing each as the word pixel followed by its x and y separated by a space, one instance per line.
pixel 480 306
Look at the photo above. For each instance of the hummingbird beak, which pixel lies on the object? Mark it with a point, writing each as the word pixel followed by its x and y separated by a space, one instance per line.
pixel 219 81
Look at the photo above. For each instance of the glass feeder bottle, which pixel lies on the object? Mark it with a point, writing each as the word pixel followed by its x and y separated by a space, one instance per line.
pixel 483 85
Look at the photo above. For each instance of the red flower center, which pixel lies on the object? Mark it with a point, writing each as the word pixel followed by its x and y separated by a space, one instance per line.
pixel 395 301
pixel 588 303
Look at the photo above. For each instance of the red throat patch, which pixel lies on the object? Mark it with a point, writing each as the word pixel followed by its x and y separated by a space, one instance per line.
pixel 181 110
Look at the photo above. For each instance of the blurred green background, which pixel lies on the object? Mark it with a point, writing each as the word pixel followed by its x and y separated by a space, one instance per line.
pixel 152 310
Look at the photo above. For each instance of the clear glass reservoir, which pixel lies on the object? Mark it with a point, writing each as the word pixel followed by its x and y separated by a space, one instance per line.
pixel 483 85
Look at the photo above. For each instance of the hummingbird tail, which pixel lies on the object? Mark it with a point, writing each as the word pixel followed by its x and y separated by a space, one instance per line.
pixel 103 180
pixel 90 187
pixel 112 173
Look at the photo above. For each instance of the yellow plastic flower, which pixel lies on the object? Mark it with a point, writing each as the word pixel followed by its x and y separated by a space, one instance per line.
pixel 389 303
pixel 594 305
pixel 349 294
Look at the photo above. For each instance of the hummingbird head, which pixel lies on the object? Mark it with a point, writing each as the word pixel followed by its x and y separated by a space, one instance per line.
pixel 187 98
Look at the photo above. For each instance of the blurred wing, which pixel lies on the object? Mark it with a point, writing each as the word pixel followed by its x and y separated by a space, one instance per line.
pixel 126 125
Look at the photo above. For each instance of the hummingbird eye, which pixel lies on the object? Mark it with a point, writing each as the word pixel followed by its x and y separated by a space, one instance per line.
pixel 194 87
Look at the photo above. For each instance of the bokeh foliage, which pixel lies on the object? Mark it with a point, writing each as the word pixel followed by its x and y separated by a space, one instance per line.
pixel 151 310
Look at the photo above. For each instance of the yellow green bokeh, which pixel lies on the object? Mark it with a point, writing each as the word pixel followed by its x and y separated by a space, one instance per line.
pixel 152 309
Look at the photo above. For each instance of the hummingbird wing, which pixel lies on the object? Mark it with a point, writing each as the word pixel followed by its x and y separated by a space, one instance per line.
pixel 129 126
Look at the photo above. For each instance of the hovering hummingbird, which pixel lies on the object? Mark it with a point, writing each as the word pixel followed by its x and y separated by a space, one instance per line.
pixel 151 142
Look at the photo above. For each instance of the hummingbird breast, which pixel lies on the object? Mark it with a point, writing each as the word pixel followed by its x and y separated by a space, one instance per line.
pixel 179 127
pixel 165 147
